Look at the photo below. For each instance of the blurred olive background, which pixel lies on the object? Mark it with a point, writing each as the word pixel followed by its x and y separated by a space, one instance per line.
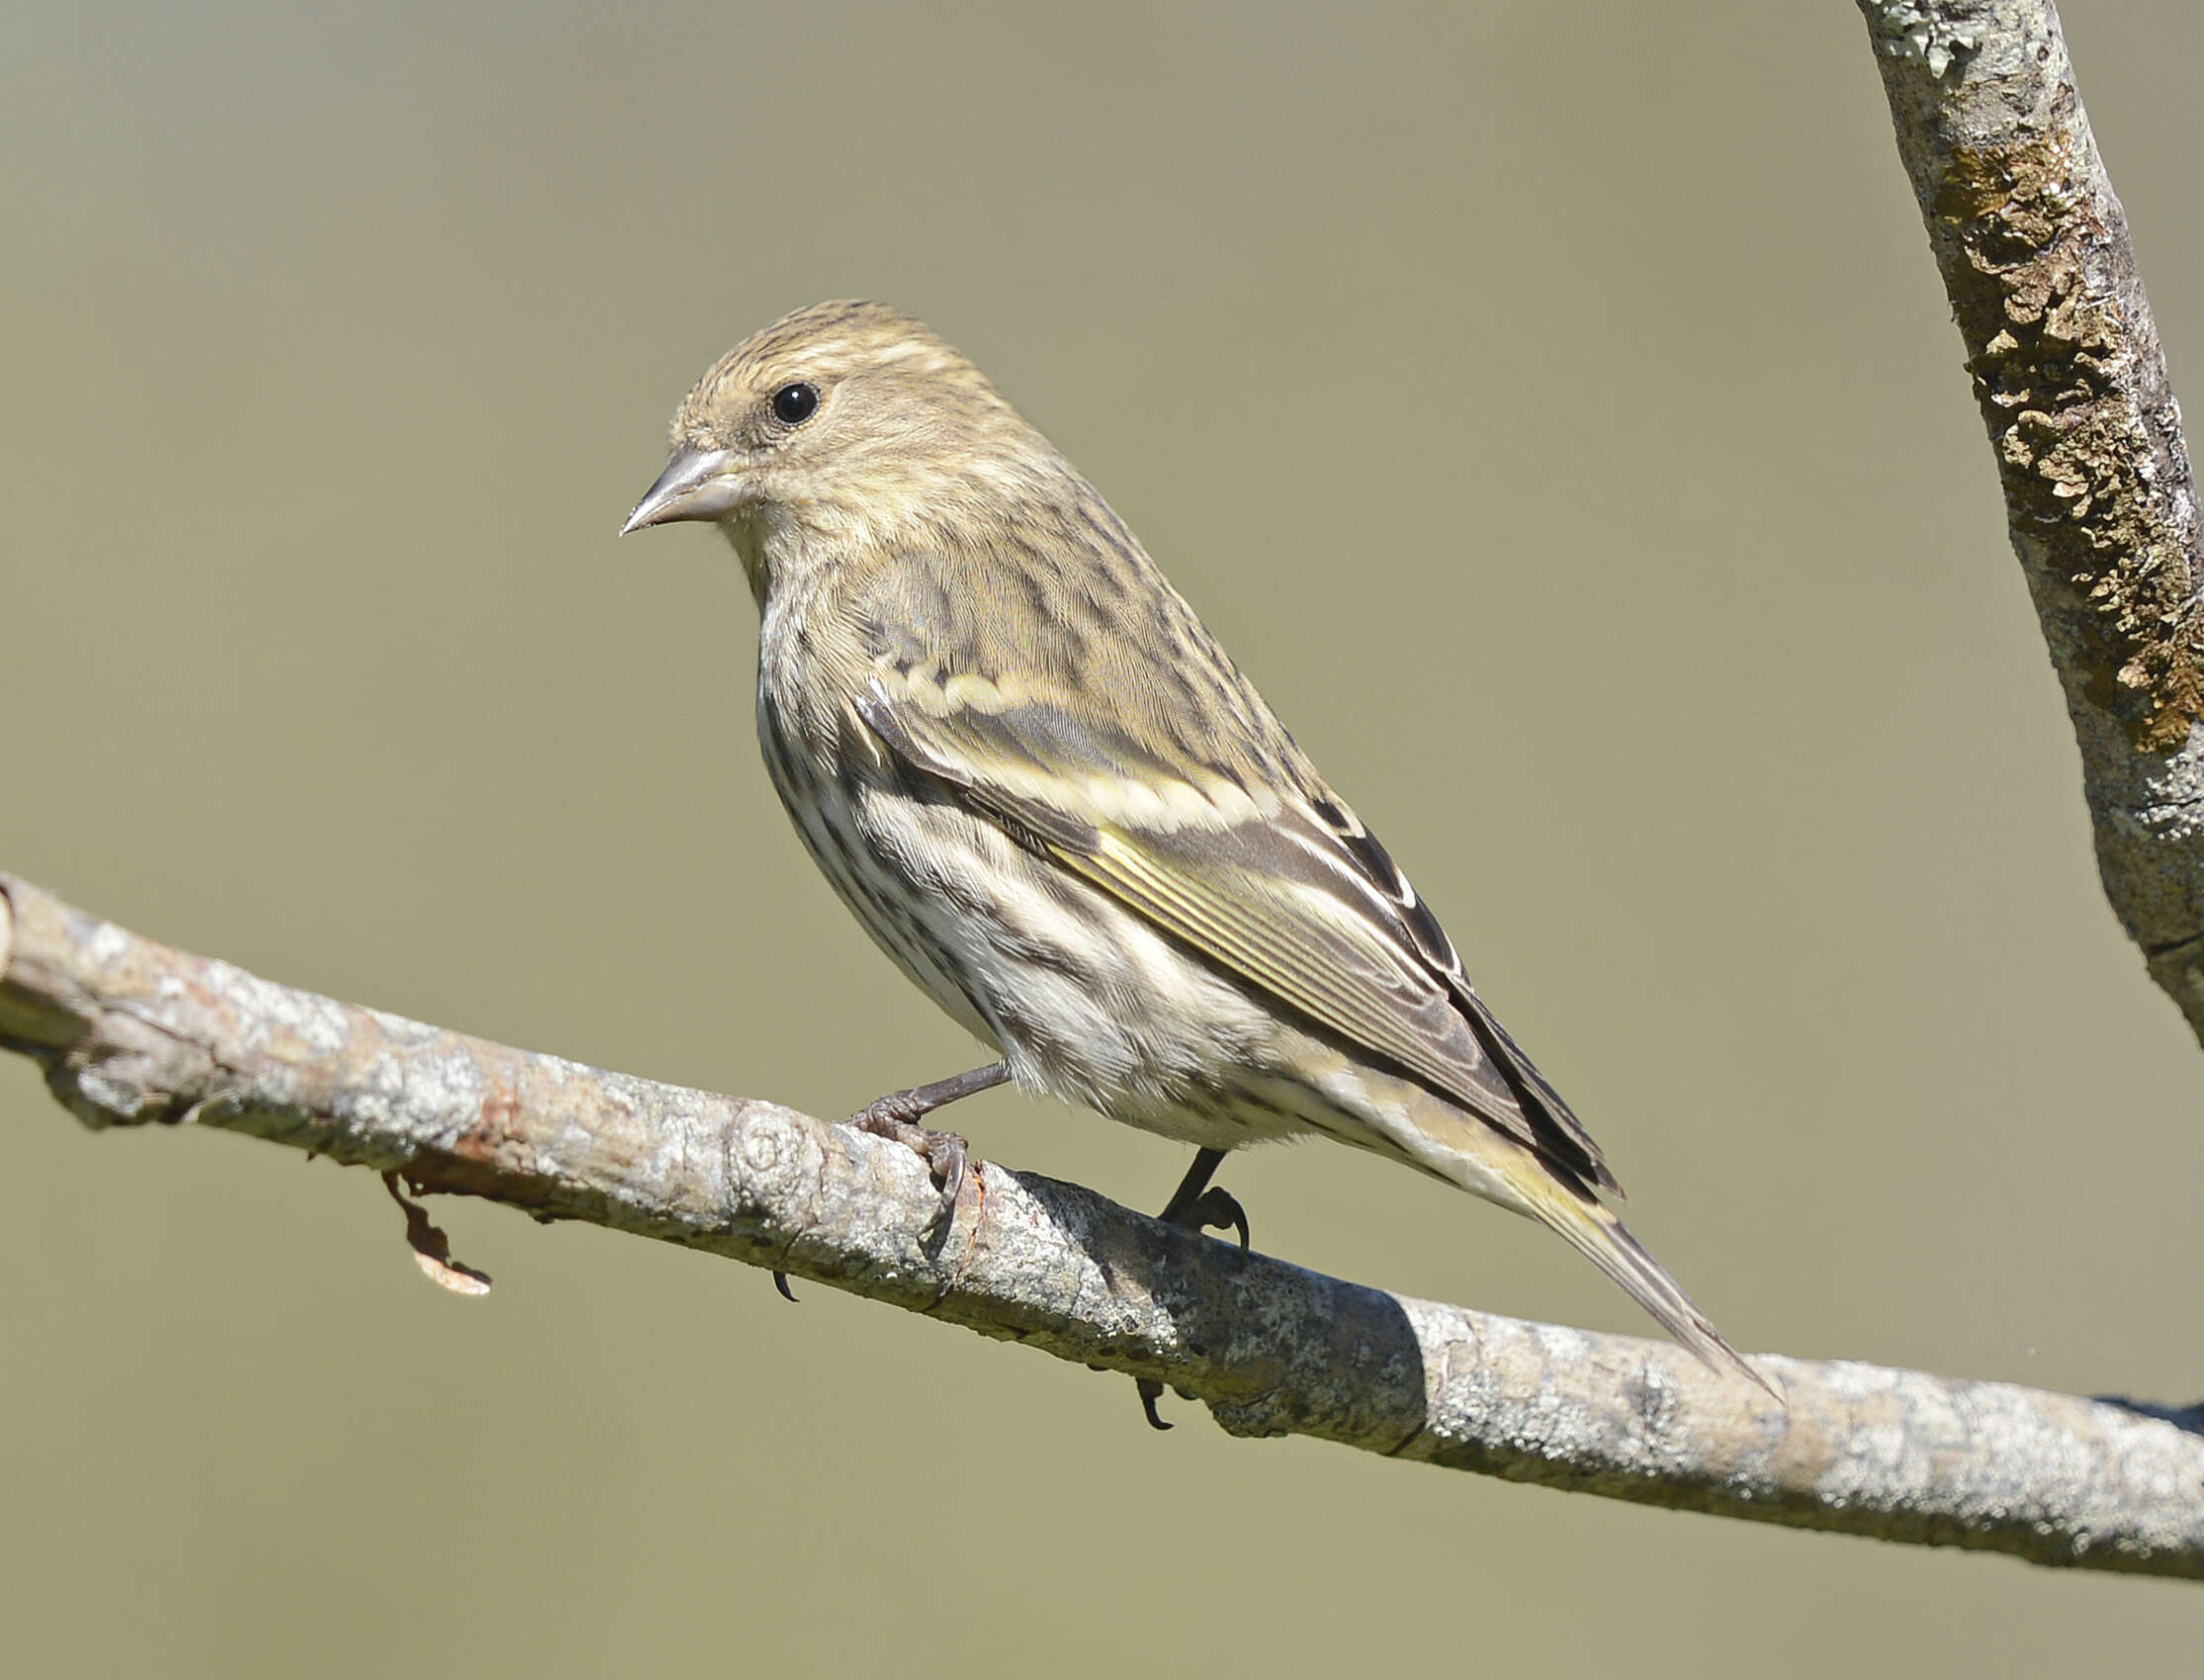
pixel 1556 410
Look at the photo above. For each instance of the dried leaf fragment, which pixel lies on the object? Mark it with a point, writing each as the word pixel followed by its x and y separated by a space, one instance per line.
pixel 432 1249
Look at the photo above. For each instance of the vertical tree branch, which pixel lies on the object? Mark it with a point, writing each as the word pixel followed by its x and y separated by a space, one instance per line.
pixel 2067 366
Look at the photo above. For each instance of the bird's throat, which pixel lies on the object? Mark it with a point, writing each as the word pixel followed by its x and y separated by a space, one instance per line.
pixel 747 539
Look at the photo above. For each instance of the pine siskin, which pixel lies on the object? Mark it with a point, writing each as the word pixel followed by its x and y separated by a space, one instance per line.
pixel 1051 797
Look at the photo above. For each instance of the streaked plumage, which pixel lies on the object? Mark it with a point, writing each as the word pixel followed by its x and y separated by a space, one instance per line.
pixel 1055 802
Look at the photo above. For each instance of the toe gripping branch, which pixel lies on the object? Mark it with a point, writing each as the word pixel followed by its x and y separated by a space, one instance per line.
pixel 1196 1205
pixel 896 1116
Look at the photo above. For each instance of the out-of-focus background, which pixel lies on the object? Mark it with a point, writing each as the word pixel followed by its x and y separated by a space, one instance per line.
pixel 1555 409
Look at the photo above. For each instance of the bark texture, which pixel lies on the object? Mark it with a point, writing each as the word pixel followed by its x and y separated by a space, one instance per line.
pixel 2067 367
pixel 131 1032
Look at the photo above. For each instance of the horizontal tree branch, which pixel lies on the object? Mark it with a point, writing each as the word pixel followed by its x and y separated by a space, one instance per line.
pixel 2034 250
pixel 131 1033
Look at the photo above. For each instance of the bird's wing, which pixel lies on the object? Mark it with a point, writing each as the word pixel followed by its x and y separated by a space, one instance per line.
pixel 1288 892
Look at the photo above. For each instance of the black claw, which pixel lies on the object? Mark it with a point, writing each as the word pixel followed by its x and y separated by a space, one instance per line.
pixel 1150 1392
pixel 780 1283
pixel 944 1152
pixel 1221 1210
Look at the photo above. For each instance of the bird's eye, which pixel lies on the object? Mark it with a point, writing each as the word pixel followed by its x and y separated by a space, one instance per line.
pixel 793 405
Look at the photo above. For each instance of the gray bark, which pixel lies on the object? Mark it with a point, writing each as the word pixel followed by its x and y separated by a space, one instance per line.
pixel 131 1033
pixel 2067 367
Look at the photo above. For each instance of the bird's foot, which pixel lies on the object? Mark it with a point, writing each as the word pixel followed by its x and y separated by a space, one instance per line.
pixel 944 1152
pixel 1197 1205
pixel 1218 1209
pixel 896 1115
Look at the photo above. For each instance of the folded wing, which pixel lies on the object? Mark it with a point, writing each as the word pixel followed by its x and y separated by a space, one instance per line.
pixel 1281 886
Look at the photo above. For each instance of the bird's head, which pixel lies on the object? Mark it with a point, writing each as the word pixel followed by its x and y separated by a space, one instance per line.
pixel 847 421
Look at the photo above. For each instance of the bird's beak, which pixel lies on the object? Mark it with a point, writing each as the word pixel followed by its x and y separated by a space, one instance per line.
pixel 697 483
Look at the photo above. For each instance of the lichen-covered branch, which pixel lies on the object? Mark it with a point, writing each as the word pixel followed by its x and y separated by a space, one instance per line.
pixel 131 1033
pixel 2067 367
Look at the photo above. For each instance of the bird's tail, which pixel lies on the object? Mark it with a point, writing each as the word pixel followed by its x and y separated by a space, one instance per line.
pixel 1595 1233
pixel 1465 1151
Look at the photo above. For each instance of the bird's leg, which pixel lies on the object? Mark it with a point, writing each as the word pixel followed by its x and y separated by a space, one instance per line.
pixel 1196 1205
pixel 907 1107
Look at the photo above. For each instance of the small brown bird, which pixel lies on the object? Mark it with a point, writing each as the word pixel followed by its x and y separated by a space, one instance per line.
pixel 1037 780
